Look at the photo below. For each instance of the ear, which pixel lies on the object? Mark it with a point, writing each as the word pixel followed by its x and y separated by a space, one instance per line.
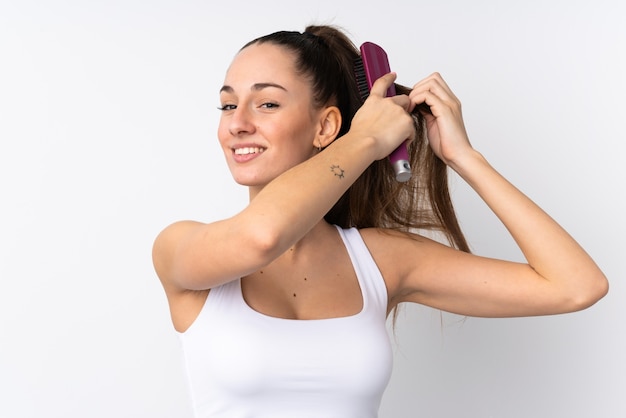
pixel 329 126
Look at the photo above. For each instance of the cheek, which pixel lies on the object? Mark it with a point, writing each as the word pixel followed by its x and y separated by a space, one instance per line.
pixel 222 133
pixel 299 133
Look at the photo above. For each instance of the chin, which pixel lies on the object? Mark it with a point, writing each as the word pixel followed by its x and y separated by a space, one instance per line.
pixel 249 181
pixel 247 176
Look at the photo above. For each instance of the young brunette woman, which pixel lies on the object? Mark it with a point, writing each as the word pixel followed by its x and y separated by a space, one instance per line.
pixel 282 308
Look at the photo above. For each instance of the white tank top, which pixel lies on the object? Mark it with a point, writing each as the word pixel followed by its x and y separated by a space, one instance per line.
pixel 242 364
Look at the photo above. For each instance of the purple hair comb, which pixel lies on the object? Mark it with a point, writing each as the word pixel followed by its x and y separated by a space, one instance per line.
pixel 372 65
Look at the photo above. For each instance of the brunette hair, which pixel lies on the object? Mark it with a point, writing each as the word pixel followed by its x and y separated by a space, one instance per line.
pixel 326 56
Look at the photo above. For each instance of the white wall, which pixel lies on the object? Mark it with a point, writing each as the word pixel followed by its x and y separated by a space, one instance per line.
pixel 107 133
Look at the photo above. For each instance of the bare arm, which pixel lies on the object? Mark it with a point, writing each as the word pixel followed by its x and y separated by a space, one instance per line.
pixel 559 275
pixel 195 256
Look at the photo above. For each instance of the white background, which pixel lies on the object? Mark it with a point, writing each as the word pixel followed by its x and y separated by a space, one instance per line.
pixel 107 129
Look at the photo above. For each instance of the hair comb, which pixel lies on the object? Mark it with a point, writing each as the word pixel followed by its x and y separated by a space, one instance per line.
pixel 372 65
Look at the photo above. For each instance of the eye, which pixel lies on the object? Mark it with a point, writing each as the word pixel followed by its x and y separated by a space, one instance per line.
pixel 270 105
pixel 227 107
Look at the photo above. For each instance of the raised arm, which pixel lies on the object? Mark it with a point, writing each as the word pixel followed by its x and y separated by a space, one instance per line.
pixel 194 256
pixel 559 275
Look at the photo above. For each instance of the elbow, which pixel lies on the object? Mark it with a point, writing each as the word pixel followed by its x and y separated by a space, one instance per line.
pixel 601 288
pixel 264 245
pixel 587 296
pixel 194 256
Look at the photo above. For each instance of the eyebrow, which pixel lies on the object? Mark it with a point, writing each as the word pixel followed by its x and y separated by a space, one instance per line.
pixel 255 87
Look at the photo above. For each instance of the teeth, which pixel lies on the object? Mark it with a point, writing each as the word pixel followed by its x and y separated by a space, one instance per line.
pixel 248 150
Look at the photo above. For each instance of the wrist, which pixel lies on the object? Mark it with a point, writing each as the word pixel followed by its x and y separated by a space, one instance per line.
pixel 359 146
pixel 465 164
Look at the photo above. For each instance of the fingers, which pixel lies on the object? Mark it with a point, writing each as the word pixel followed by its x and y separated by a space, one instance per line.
pixel 380 86
pixel 445 128
pixel 435 81
pixel 436 93
pixel 384 119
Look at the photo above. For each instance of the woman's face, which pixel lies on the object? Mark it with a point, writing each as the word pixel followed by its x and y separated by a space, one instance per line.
pixel 268 122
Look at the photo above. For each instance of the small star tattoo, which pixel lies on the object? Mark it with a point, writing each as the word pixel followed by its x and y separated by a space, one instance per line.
pixel 337 171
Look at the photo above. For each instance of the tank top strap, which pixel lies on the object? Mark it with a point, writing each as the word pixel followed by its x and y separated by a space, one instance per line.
pixel 371 280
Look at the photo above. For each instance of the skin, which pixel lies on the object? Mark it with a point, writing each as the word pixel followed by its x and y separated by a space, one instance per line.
pixel 287 133
pixel 278 242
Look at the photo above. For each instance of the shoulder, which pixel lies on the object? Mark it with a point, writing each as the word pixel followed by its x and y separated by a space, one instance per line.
pixel 385 242
pixel 391 245
pixel 184 304
pixel 399 254
pixel 164 249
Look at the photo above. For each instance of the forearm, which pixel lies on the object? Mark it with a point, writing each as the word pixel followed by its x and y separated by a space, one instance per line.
pixel 547 247
pixel 288 207
pixel 197 256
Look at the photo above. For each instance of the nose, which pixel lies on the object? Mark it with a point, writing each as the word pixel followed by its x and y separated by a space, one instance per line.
pixel 241 121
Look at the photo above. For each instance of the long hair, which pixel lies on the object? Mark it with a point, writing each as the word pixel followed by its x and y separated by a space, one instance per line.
pixel 326 56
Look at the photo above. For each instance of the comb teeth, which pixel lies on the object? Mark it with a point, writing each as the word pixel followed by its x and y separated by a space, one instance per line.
pixel 361 78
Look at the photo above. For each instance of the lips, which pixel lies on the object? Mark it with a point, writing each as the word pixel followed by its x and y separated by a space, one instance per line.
pixel 244 153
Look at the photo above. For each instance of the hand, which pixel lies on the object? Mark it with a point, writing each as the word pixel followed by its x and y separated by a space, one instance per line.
pixel 445 128
pixel 385 119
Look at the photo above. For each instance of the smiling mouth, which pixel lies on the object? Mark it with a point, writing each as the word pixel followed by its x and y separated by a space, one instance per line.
pixel 249 150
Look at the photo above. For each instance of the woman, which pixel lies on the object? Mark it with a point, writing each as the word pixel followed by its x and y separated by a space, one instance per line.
pixel 281 308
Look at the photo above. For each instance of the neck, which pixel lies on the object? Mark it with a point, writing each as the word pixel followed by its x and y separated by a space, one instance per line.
pixel 253 191
pixel 319 233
